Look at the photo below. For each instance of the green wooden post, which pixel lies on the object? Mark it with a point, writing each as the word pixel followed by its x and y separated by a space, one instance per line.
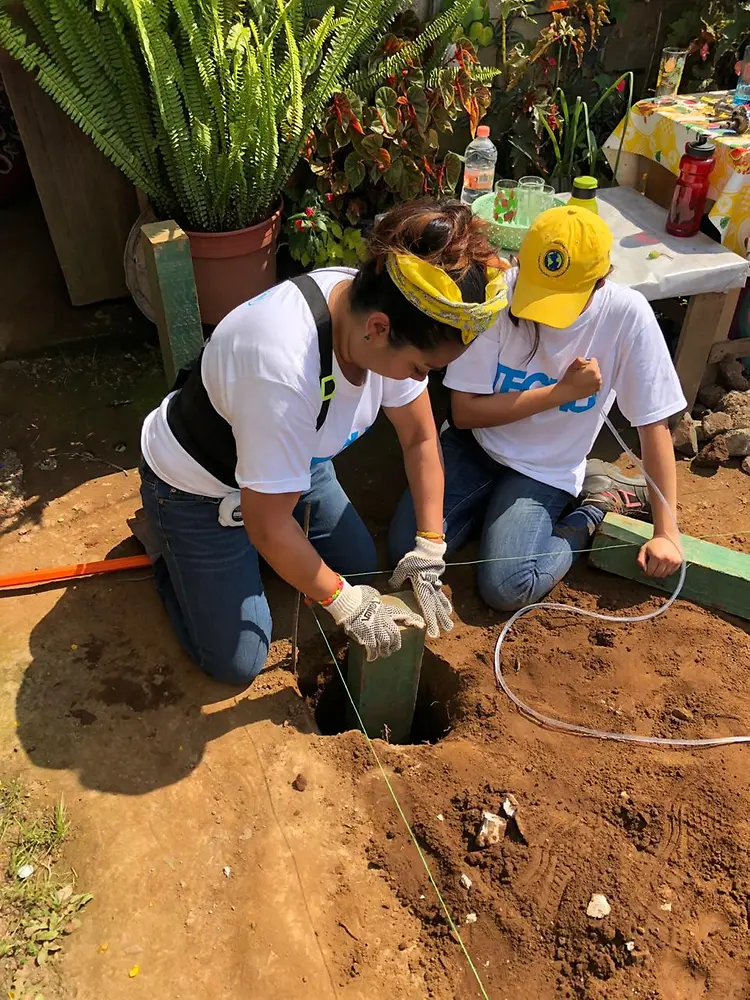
pixel 716 577
pixel 170 275
pixel 385 691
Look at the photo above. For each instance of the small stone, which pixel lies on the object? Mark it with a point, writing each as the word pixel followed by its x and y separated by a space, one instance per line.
pixel 714 454
pixel 598 907
pixel 682 714
pixel 25 871
pixel 440 818
pixel 630 946
pixel 48 464
pixel 667 907
pixel 471 918
pixel 227 871
pixel 466 882
pixel 300 783
pixel 685 436
pixel 716 423
pixel 492 830
pixel 510 805
pixel 738 442
pixel 711 396
pixel 746 465
pixel 732 374
pixel 737 405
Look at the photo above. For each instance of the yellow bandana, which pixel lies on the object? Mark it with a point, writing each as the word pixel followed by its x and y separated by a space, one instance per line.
pixel 438 296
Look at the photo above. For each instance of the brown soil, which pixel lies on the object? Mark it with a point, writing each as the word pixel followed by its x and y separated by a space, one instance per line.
pixel 170 780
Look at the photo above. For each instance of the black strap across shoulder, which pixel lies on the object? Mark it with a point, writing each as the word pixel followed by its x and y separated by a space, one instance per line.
pixel 204 434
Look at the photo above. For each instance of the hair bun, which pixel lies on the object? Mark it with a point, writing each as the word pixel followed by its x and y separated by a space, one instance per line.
pixel 447 235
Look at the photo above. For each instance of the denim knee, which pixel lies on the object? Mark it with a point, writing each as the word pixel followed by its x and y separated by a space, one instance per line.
pixel 508 593
pixel 240 665
pixel 403 529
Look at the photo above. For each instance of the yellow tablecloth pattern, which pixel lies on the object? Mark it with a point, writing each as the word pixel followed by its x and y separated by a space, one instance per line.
pixel 658 129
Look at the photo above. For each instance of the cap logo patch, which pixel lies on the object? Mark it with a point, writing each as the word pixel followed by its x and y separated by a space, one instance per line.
pixel 555 262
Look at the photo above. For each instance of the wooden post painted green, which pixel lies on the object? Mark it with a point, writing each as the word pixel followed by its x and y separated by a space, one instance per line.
pixel 717 577
pixel 385 691
pixel 173 296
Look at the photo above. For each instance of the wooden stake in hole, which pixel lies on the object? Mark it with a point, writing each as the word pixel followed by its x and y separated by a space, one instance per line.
pixel 298 599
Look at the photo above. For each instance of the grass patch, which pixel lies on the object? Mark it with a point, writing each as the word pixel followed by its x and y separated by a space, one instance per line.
pixel 38 904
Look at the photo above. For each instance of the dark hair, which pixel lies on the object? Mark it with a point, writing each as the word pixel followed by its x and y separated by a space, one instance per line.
pixel 447 235
pixel 535 346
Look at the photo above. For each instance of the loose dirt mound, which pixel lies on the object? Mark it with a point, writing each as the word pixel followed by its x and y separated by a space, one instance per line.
pixel 663 834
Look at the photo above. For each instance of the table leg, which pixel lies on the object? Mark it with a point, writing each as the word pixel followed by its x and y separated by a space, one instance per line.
pixel 707 321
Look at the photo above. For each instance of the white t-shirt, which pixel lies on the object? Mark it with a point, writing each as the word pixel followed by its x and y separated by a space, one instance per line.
pixel 619 329
pixel 261 370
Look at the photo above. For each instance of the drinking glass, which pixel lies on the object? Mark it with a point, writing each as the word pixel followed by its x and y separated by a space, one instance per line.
pixel 530 189
pixel 670 71
pixel 506 202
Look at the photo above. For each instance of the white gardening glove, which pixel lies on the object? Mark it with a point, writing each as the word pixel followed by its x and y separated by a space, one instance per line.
pixel 424 567
pixel 375 625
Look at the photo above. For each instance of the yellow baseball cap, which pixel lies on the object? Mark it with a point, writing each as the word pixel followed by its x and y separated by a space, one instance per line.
pixel 565 252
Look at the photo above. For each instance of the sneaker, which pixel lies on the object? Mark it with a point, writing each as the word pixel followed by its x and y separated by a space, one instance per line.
pixel 605 487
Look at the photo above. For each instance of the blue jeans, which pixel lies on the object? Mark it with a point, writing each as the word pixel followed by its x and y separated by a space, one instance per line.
pixel 209 578
pixel 523 524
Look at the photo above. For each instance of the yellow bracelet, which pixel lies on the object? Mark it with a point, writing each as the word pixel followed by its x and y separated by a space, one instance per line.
pixel 432 536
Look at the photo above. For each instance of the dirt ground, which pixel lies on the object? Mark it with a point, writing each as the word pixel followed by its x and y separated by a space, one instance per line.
pixel 216 877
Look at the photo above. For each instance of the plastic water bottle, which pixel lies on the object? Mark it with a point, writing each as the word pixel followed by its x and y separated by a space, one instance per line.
pixel 479 166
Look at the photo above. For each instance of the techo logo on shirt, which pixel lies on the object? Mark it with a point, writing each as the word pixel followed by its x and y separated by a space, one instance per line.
pixel 517 380
pixel 350 440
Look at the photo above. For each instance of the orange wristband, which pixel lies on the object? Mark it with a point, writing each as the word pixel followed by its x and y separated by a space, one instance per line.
pixel 329 600
pixel 431 536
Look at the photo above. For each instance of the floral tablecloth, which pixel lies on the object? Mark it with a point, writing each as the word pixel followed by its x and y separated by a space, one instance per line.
pixel 659 128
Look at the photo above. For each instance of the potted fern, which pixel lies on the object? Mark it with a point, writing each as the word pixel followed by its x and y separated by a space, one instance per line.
pixel 206 105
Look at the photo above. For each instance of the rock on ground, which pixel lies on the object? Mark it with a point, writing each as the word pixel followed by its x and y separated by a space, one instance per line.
pixel 714 453
pixel 746 465
pixel 737 405
pixel 738 442
pixel 716 423
pixel 711 395
pixel 732 374
pixel 685 436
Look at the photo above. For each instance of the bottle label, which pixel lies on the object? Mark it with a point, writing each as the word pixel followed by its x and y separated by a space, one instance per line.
pixel 479 180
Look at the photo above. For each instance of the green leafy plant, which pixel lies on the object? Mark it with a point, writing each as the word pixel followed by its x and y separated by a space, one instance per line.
pixel 317 239
pixel 206 105
pixel 380 144
pixel 574 145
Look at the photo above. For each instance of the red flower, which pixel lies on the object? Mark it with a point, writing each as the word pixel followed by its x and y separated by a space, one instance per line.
pixel 330 196
pixel 551 61
pixel 309 212
pixel 299 224
pixel 620 87
pixel 704 51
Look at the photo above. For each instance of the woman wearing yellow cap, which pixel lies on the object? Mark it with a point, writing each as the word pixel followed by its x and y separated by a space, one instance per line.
pixel 528 401
pixel 235 455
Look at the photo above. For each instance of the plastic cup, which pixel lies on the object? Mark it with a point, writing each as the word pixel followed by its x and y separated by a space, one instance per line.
pixel 530 191
pixel 670 71
pixel 506 202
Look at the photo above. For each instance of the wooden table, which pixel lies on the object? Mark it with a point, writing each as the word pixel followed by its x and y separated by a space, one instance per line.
pixel 660 266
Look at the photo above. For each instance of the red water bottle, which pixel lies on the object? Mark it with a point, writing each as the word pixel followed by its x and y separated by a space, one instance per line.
pixel 691 190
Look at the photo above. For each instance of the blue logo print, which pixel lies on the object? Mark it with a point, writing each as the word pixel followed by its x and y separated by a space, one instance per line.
pixel 517 380
pixel 350 440
pixel 553 260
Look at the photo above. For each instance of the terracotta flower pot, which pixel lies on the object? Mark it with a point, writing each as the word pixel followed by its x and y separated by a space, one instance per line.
pixel 231 268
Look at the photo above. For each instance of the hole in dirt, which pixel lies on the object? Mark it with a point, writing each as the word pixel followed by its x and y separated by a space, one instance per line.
pixel 435 715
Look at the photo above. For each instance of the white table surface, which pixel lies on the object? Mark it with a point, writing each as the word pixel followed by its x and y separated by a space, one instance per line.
pixel 694 266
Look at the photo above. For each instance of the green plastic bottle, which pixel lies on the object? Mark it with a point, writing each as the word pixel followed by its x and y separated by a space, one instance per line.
pixel 584 194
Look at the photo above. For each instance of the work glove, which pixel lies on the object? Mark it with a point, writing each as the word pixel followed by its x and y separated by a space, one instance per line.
pixel 424 567
pixel 375 625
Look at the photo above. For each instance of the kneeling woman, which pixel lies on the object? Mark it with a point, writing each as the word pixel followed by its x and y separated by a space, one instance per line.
pixel 286 382
pixel 528 402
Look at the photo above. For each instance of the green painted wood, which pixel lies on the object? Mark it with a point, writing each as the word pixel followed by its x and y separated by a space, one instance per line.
pixel 385 691
pixel 716 577
pixel 173 296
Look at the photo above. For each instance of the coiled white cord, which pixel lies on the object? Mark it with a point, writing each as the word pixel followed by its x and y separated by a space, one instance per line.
pixel 600 734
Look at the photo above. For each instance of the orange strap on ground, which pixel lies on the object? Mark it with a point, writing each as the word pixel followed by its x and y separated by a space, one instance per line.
pixel 59 574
